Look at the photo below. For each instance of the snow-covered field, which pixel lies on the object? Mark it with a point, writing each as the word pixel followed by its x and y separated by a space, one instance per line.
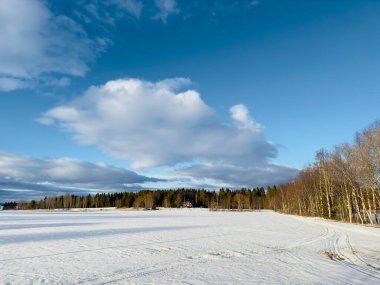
pixel 187 246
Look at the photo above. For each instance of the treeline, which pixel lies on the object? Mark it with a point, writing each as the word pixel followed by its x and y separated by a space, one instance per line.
pixel 9 205
pixel 256 198
pixel 342 184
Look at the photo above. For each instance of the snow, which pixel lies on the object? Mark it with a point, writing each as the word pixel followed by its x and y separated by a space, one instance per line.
pixel 186 246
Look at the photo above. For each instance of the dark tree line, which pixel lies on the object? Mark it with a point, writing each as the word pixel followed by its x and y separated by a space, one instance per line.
pixel 256 198
pixel 9 205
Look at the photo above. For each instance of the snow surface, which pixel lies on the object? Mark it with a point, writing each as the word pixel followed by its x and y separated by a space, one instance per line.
pixel 186 246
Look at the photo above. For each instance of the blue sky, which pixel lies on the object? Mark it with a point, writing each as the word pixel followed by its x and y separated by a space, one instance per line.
pixel 171 93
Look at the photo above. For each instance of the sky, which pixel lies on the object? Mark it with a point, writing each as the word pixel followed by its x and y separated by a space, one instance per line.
pixel 122 95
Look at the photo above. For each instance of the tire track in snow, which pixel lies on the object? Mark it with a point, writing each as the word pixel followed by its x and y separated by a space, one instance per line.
pixel 340 243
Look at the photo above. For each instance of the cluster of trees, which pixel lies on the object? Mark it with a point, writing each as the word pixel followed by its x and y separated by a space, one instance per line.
pixel 9 205
pixel 256 198
pixel 342 184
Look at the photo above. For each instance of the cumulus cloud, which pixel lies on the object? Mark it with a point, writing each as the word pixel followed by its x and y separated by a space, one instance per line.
pixel 36 43
pixel 32 176
pixel 166 123
pixel 154 124
pixel 165 9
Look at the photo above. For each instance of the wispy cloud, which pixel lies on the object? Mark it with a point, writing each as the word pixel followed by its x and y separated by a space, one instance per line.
pixel 254 3
pixel 10 84
pixel 165 9
pixel 36 44
pixel 133 7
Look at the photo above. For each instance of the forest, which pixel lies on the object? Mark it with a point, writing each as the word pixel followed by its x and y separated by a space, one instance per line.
pixel 342 184
pixel 151 199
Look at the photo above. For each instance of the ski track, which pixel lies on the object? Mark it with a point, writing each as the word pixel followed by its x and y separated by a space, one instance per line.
pixel 187 246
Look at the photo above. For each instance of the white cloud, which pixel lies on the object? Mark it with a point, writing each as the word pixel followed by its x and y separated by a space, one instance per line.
pixel 54 175
pixel 154 124
pixel 241 115
pixel 163 123
pixel 99 14
pixel 165 9
pixel 103 12
pixel 132 6
pixel 10 84
pixel 35 43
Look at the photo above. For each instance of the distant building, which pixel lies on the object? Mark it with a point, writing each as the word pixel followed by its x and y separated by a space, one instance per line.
pixel 187 205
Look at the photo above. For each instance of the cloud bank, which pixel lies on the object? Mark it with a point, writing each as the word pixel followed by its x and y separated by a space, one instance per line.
pixel 232 175
pixel 28 177
pixel 165 123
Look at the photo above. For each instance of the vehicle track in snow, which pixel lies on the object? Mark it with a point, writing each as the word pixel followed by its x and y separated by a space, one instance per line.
pixel 344 253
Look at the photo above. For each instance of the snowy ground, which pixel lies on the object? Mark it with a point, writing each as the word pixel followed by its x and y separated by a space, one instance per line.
pixel 189 246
